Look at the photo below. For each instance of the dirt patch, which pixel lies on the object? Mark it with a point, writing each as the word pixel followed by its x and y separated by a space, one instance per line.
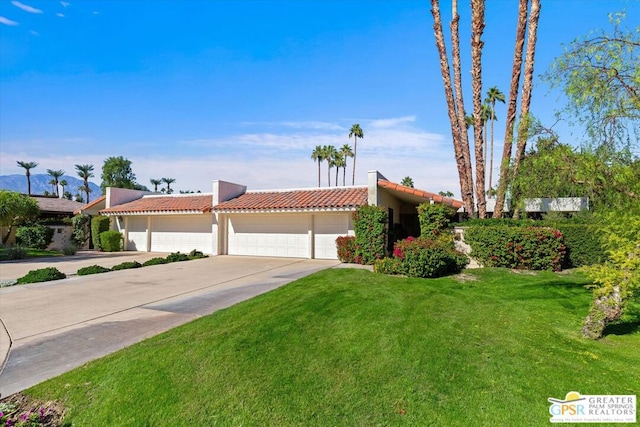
pixel 463 277
pixel 24 410
pixel 526 272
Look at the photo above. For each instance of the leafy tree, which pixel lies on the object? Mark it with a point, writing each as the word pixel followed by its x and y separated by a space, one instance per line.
pixel 55 175
pixel 407 181
pixel 169 181
pixel 345 151
pixel 318 156
pixel 616 280
pixel 15 208
pixel 155 183
pixel 599 74
pixel 117 172
pixel 85 172
pixel 355 132
pixel 27 166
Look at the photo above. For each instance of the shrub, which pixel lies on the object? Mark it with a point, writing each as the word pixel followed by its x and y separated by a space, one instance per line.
pixel 92 269
pixel 177 257
pixel 195 254
pixel 528 248
pixel 99 224
pixel 35 236
pixel 69 250
pixel 111 241
pixel 434 218
pixel 80 227
pixel 16 252
pixel 154 261
pixel 583 242
pixel 126 265
pixel 41 275
pixel 391 265
pixel 370 223
pixel 424 257
pixel 346 248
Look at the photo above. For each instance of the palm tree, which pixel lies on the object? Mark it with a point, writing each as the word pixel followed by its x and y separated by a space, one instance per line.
pixel 355 132
pixel 28 166
pixel 407 182
pixel 86 190
pixel 85 172
pixel 345 151
pixel 330 153
pixel 339 162
pixel 155 183
pixel 169 181
pixel 318 156
pixel 55 175
pixel 477 28
pixel 63 183
pixel 493 95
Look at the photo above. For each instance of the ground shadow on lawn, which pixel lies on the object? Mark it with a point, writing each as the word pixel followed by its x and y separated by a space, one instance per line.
pixel 623 328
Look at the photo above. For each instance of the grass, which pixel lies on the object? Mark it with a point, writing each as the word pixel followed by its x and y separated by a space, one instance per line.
pixel 31 253
pixel 348 347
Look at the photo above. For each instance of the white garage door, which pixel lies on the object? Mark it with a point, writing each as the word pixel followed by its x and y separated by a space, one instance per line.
pixel 269 235
pixel 182 233
pixel 137 233
pixel 327 228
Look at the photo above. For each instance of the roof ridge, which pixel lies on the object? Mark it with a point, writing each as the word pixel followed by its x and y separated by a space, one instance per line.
pixel 292 190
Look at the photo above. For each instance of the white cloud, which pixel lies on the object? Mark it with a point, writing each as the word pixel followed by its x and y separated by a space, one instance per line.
pixel 25 7
pixel 65 4
pixel 35 33
pixel 392 122
pixel 7 21
pixel 60 15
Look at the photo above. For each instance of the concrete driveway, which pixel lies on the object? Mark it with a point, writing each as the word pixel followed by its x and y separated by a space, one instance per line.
pixel 54 327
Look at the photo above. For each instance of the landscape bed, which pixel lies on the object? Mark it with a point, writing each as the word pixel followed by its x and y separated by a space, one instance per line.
pixel 349 347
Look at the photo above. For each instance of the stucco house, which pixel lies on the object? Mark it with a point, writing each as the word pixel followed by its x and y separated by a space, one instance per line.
pixel 231 220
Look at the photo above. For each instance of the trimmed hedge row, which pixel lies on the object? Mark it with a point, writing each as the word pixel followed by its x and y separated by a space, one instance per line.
pixel 529 248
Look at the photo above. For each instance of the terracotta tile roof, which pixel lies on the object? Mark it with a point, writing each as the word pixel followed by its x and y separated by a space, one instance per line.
pixel 90 204
pixel 420 193
pixel 322 198
pixel 156 204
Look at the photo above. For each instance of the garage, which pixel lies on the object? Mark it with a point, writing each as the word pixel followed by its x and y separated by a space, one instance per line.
pixel 184 233
pixel 136 233
pixel 278 235
pixel 326 229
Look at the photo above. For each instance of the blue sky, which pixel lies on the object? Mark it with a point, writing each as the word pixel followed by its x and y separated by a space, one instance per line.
pixel 244 90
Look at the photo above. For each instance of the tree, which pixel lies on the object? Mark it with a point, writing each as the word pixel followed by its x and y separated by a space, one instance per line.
pixel 116 172
pixel 407 182
pixel 27 167
pixel 338 162
pixel 445 193
pixel 169 181
pixel 477 28
pixel 63 183
pixel 600 79
pixel 14 209
pixel 493 95
pixel 318 156
pixel 330 153
pixel 155 183
pixel 86 190
pixel 345 151
pixel 85 172
pixel 55 174
pixel 355 132
pixel 505 166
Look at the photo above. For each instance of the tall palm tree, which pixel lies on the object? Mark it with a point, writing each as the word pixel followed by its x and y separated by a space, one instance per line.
pixel 85 172
pixel 28 166
pixel 86 190
pixel 345 151
pixel 330 153
pixel 493 94
pixel 318 156
pixel 63 183
pixel 407 181
pixel 338 162
pixel 169 181
pixel 155 183
pixel 477 29
pixel 56 176
pixel 355 132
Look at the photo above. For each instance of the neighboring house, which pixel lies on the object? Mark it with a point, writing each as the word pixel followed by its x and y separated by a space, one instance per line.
pixel 300 223
pixel 53 212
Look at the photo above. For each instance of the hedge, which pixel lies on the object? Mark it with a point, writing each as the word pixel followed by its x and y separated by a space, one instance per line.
pixel 111 241
pixel 35 236
pixel 346 248
pixel 370 224
pixel 99 224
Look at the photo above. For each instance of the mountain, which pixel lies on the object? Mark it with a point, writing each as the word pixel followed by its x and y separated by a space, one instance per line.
pixel 40 184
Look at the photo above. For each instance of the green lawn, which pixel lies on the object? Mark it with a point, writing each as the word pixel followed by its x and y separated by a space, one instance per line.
pixel 349 347
pixel 31 253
